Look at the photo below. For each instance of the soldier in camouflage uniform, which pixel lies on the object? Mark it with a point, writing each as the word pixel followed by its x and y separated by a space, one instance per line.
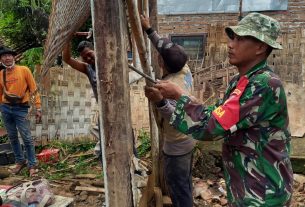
pixel 252 118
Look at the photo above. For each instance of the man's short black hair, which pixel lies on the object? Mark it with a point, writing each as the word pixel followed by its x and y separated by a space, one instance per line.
pixel 83 44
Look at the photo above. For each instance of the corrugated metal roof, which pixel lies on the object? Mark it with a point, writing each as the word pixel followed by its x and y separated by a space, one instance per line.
pixel 218 6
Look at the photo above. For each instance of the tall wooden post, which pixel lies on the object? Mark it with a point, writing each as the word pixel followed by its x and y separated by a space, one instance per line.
pixel 153 13
pixel 109 23
pixel 134 18
pixel 240 13
pixel 153 16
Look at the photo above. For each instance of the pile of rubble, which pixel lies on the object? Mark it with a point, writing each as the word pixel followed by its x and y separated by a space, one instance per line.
pixel 208 192
pixel 209 184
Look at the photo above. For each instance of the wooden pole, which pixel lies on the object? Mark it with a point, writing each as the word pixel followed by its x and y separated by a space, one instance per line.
pixel 153 13
pixel 109 24
pixel 153 124
pixel 153 16
pixel 240 15
pixel 136 28
pixel 137 32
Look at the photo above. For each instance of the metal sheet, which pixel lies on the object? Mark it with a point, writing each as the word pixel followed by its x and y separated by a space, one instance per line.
pixel 218 6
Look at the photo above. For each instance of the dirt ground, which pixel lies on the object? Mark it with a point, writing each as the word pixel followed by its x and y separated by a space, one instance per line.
pixel 67 187
pixel 207 174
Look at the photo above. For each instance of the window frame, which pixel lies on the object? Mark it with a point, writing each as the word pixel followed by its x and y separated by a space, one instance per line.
pixel 204 41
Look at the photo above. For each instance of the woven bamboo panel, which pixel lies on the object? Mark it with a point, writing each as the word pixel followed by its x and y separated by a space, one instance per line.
pixel 68 106
pixel 66 17
pixel 70 110
pixel 289 63
pixel 139 108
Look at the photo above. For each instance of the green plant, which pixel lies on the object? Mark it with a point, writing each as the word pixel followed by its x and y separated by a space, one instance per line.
pixel 145 145
pixel 80 165
pixel 24 21
pixel 32 57
pixel 3 139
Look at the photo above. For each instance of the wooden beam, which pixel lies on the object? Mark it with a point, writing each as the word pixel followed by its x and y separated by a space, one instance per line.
pixel 153 16
pixel 137 32
pixel 158 197
pixel 90 189
pixel 109 24
pixel 240 13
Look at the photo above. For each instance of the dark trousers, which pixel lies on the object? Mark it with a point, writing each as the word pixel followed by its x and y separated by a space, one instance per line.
pixel 178 175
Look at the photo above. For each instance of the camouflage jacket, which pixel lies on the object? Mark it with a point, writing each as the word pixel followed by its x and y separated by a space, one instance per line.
pixel 253 120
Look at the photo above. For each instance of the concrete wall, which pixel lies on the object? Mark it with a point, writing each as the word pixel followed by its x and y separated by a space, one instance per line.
pixel 296 110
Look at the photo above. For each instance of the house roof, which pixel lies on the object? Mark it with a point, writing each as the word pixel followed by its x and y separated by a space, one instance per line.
pixel 218 6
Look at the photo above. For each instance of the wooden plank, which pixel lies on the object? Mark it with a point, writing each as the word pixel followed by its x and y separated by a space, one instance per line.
pixel 61 201
pixel 147 193
pixel 90 189
pixel 167 201
pixel 86 176
pixel 158 197
pixel 110 33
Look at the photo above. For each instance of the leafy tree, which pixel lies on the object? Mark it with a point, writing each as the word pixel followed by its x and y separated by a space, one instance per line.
pixel 32 57
pixel 24 21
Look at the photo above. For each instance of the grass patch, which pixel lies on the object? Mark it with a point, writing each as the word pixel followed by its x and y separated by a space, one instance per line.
pixel 71 161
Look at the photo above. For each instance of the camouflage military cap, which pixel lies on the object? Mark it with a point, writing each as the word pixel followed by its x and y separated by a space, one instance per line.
pixel 262 27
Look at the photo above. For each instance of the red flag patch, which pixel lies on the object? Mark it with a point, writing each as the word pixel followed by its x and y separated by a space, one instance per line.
pixel 228 114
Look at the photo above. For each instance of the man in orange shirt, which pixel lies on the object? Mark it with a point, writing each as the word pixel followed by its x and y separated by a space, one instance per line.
pixel 17 87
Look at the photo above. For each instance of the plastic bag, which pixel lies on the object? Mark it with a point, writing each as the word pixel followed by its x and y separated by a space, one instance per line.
pixel 33 192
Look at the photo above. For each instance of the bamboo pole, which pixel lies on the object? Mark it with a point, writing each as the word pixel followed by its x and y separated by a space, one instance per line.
pixel 136 28
pixel 153 13
pixel 137 32
pixel 153 16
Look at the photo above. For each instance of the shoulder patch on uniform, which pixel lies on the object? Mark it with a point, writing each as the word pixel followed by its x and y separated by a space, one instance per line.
pixel 227 114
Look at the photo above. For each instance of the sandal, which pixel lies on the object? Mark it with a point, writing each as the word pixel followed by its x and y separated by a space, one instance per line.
pixel 19 166
pixel 33 172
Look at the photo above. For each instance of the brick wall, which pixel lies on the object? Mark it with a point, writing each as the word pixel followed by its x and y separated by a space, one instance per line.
pixel 291 19
pixel 288 63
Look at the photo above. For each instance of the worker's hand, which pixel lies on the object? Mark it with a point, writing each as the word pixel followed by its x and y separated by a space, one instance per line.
pixel 145 22
pixel 153 94
pixel 169 90
pixel 38 116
